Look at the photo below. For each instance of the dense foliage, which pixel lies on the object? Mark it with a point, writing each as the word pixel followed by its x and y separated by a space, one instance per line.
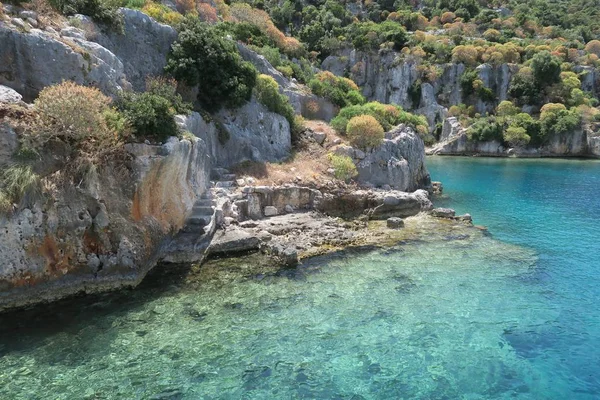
pixel 267 92
pixel 151 113
pixel 364 132
pixel 387 115
pixel 200 56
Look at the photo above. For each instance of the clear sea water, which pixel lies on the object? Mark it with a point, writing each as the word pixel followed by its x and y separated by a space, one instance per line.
pixel 513 314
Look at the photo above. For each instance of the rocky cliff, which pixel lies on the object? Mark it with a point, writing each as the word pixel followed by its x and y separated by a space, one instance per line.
pixel 454 141
pixel 388 78
pixel 105 234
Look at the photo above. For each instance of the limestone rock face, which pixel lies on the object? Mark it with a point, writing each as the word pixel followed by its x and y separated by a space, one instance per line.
pixel 143 47
pixel 248 133
pixel 105 233
pixel 30 61
pixel 399 162
pixel 451 129
pixel 594 145
pixel 386 78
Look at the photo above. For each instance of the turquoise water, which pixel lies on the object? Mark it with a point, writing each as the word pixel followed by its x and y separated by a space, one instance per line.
pixel 459 314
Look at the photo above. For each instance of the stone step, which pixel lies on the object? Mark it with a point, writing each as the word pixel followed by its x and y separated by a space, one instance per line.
pixel 204 203
pixel 225 184
pixel 202 209
pixel 217 173
pixel 199 219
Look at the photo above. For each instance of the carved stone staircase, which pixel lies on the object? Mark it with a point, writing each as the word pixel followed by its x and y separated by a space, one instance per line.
pixel 190 244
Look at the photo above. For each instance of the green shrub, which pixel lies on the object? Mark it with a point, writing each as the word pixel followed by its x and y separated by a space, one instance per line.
pixel 364 132
pixel 506 108
pixel 201 57
pixel 516 136
pixel 74 115
pixel 343 167
pixel 152 113
pixel 267 92
pixel 546 69
pixel 466 82
pixel 558 121
pixel 18 183
pixel 100 10
pixel 486 129
pixel 388 115
pixel 340 91
pixel 247 33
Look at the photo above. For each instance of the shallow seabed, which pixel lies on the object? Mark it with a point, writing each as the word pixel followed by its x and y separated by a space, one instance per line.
pixel 456 314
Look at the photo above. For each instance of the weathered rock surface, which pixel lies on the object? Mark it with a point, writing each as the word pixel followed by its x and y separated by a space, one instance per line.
pixel 594 145
pixel 9 96
pixel 30 61
pixel 106 234
pixel 395 223
pixel 378 204
pixel 248 133
pixel 454 141
pixel 142 48
pixel 399 162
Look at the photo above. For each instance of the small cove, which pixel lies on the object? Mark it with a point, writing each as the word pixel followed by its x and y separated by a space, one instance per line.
pixel 508 315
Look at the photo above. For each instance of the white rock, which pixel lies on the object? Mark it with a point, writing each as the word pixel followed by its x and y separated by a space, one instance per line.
pixel 270 211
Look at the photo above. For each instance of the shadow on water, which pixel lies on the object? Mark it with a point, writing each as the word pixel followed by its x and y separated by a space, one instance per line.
pixel 22 327
pixel 27 328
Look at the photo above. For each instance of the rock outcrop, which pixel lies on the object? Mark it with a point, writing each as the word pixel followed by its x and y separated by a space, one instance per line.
pixel 398 163
pixel 31 60
pixel 250 133
pixel 454 141
pixel 105 234
pixel 142 47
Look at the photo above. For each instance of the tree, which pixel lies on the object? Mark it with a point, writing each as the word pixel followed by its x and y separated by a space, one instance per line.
pixel 201 57
pixel 546 68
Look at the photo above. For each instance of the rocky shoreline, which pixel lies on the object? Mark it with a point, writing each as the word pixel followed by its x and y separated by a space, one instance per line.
pixel 455 142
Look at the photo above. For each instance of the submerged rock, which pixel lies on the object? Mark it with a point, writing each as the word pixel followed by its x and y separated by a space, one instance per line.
pixel 395 223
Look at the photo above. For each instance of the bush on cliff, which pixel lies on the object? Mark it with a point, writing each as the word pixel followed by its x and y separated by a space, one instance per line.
pixel 201 57
pixel 388 115
pixel 486 129
pixel 267 92
pixel 74 115
pixel 100 10
pixel 343 167
pixel 516 136
pixel 152 113
pixel 364 132
pixel 18 183
pixel 556 120
pixel 340 91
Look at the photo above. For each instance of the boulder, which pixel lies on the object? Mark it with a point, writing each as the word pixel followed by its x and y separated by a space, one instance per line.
pixel 233 241
pixel 10 96
pixel 270 211
pixel 395 223
pixel 30 61
pixel 142 47
pixel 398 162
pixel 249 133
pixel 443 212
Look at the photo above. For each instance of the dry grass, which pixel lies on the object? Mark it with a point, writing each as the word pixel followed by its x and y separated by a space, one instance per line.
pixel 308 165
